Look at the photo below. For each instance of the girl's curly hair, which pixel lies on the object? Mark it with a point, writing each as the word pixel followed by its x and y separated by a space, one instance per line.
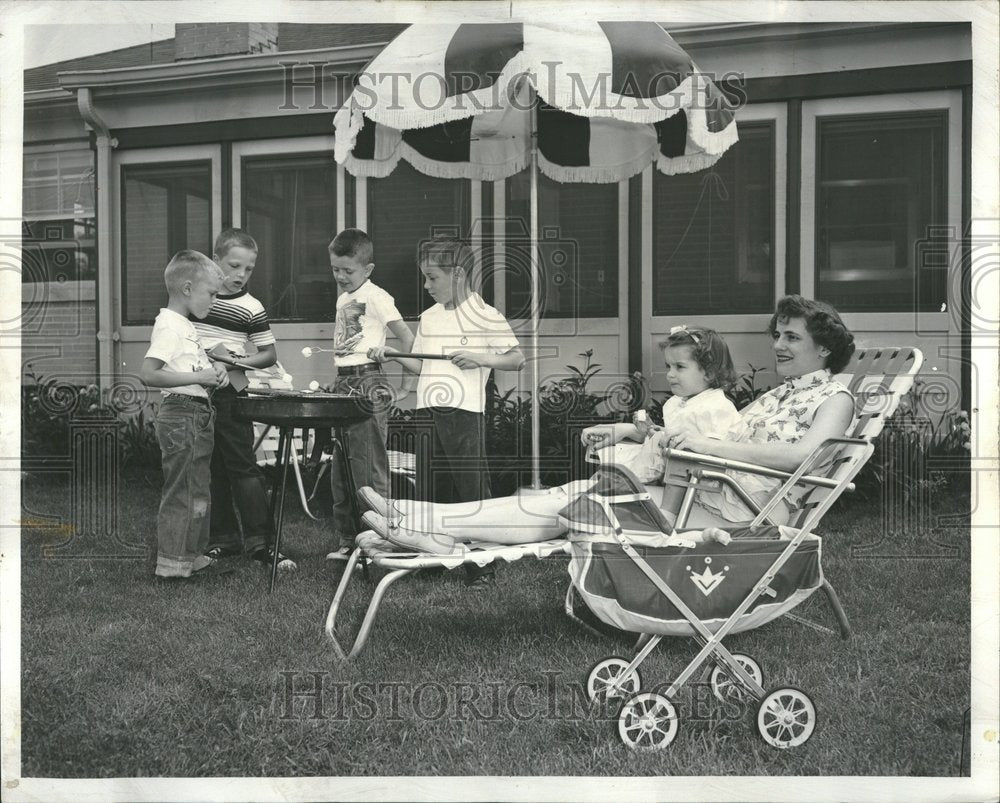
pixel 709 350
pixel 824 325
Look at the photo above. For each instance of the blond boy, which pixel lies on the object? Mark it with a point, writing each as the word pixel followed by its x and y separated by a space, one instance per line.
pixel 176 363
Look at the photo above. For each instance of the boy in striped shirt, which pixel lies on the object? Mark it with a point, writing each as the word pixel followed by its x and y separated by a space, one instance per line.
pixel 237 318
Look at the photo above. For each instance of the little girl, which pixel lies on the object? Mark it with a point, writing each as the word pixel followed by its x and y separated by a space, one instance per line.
pixel 699 368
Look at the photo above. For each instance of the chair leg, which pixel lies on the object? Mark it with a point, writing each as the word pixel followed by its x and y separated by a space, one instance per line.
pixel 331 617
pixel 319 476
pixel 838 610
pixel 302 490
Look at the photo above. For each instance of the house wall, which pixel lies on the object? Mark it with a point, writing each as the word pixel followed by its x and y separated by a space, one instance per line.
pixel 58 330
pixel 159 110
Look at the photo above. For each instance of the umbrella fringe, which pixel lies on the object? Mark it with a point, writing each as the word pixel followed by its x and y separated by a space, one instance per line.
pixel 604 174
pixel 468 170
pixel 679 165
pixel 711 142
pixel 371 168
pixel 347 123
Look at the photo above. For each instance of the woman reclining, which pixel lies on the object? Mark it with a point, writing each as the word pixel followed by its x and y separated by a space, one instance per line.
pixel 778 430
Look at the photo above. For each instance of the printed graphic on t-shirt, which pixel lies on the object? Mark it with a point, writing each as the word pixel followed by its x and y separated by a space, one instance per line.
pixel 350 322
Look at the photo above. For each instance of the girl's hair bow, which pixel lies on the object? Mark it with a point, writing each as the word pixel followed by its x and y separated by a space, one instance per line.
pixel 682 329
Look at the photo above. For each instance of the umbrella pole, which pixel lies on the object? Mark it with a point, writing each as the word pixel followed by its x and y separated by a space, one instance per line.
pixel 536 481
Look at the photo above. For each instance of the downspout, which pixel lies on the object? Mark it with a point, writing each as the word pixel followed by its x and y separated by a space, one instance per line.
pixel 107 335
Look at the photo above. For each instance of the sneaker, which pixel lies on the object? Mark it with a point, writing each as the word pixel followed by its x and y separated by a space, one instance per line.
pixel 340 554
pixel 218 552
pixel 481 583
pixel 211 569
pixel 202 566
pixel 265 555
pixel 480 578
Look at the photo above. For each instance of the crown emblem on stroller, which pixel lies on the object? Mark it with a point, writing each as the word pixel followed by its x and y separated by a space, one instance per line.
pixel 707 581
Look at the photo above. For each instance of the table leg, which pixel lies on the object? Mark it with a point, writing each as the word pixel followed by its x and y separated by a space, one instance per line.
pixel 281 469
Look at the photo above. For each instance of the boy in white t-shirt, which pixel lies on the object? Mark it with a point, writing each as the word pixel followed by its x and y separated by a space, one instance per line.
pixel 478 339
pixel 365 312
pixel 176 362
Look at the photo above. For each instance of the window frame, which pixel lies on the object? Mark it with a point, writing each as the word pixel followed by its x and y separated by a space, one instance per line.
pixel 84 286
pixel 35 151
pixel 150 157
pixel 947 102
pixel 275 149
pixel 567 327
pixel 656 328
pixel 620 214
pixel 469 225
pixel 740 239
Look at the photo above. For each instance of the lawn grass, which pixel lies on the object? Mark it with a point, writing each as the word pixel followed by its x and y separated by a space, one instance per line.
pixel 124 676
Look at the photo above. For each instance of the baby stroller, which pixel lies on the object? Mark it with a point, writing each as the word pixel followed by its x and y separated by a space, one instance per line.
pixel 635 574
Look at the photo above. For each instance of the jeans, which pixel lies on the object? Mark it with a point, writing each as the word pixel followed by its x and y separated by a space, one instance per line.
pixel 369 461
pixel 184 429
pixel 236 478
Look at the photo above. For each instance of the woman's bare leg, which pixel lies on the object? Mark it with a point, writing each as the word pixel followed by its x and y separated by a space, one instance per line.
pixel 519 519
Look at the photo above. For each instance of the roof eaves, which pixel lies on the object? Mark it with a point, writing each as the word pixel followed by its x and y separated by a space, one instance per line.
pixel 220 67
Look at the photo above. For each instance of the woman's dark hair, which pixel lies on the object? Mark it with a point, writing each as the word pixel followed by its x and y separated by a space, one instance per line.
pixel 823 324
pixel 709 350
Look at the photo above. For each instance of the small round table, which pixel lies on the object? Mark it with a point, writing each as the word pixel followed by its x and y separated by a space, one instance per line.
pixel 289 410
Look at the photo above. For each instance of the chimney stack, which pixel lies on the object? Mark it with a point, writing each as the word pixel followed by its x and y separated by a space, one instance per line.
pixel 202 40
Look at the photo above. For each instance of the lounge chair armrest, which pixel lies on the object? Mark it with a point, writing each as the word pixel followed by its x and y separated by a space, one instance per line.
pixel 763 471
pixel 721 462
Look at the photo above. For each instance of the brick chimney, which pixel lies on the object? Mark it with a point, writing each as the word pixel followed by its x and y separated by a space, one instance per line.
pixel 202 40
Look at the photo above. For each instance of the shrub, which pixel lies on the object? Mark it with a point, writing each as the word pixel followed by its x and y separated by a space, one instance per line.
pixel 917 455
pixel 50 407
pixel 566 406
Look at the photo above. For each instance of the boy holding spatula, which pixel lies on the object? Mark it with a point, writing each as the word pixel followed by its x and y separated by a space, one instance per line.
pixel 365 315
pixel 473 338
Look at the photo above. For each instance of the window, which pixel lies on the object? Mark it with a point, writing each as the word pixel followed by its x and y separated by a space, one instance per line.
pixel 578 233
pixel 713 232
pixel 57 226
pixel 404 209
pixel 289 205
pixel 880 195
pixel 165 208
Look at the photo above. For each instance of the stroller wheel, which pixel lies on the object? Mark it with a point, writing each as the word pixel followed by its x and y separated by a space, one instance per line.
pixel 647 721
pixel 786 717
pixel 605 674
pixel 726 687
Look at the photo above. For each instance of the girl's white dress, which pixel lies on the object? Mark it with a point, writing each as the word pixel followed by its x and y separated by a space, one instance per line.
pixel 708 413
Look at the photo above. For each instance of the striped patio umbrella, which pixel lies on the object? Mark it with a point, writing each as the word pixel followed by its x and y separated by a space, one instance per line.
pixel 579 102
